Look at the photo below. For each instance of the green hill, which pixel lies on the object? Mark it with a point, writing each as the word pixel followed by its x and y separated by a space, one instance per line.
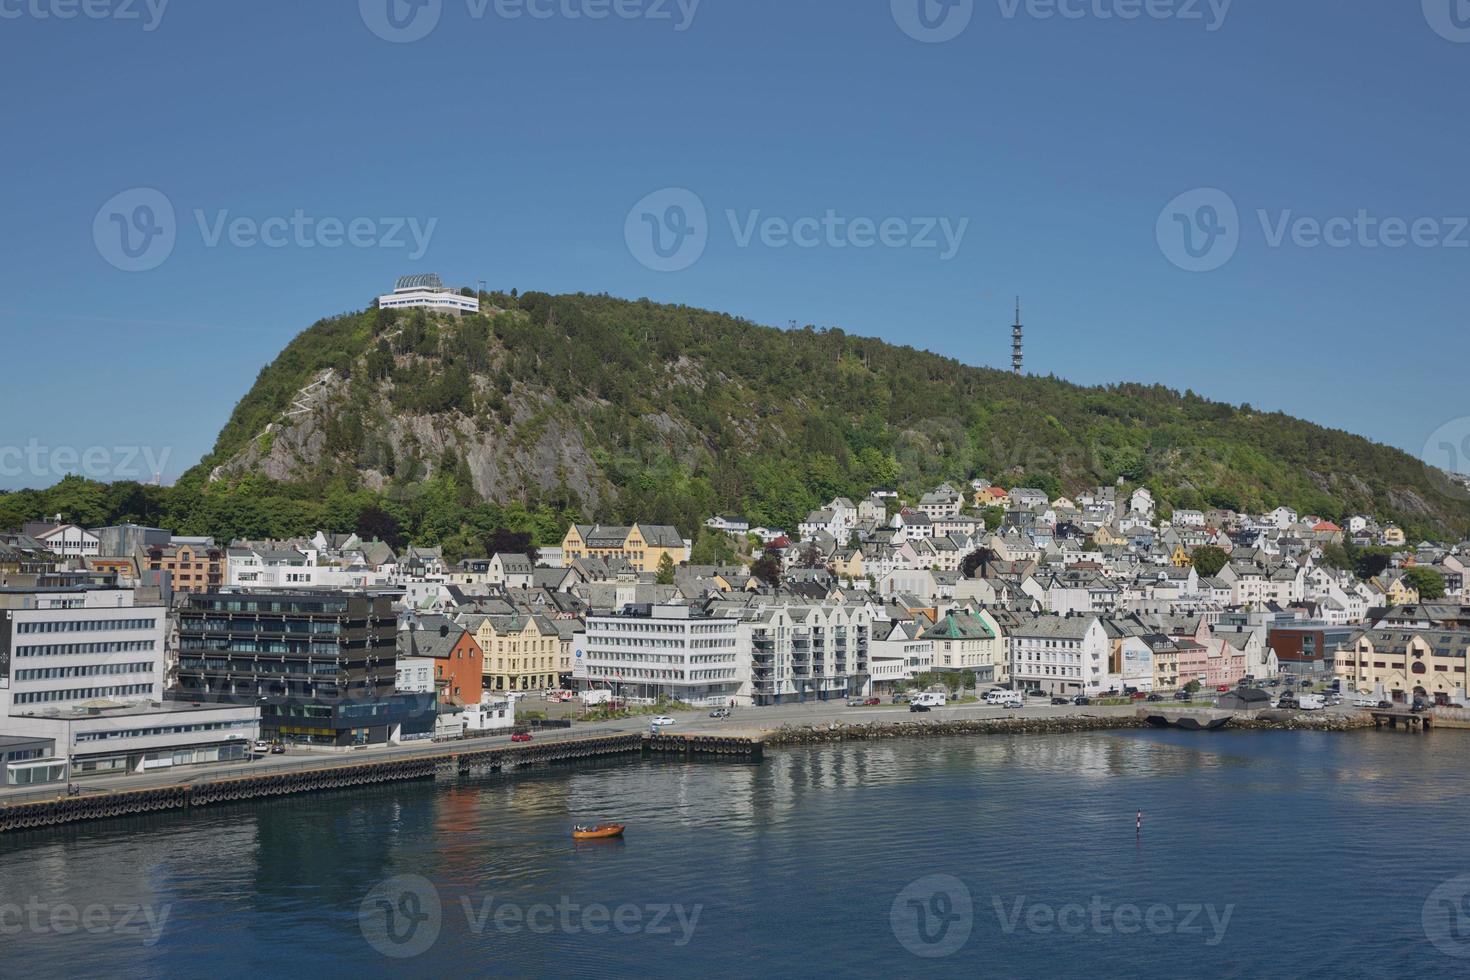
pixel 617 410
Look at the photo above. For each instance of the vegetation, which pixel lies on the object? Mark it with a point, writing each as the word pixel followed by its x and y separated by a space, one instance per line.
pixel 1208 559
pixel 1428 582
pixel 667 414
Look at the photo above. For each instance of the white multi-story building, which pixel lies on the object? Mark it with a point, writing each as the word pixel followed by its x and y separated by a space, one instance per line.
pixel 806 651
pixel 1065 655
pixel 87 668
pixel 429 293
pixel 648 651
pixel 898 653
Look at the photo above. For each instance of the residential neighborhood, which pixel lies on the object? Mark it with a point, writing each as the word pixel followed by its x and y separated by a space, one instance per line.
pixel 967 590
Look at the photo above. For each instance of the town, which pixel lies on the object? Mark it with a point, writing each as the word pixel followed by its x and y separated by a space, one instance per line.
pixel 130 649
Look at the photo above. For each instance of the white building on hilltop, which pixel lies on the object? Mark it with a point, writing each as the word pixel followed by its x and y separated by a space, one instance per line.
pixel 427 292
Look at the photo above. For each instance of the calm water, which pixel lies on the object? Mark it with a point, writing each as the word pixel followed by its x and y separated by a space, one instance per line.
pixel 1274 854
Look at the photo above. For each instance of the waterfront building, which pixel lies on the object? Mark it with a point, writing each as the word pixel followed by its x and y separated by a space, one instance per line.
pixel 648 651
pixel 85 668
pixel 805 651
pixel 1059 655
pixel 1402 663
pixel 320 664
pixel 192 566
pixel 519 652
pixel 969 641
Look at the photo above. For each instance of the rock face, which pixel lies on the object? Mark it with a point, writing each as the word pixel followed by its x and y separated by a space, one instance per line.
pixel 634 410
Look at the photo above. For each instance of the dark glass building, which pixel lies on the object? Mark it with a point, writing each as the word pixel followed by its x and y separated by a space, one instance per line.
pixel 320 664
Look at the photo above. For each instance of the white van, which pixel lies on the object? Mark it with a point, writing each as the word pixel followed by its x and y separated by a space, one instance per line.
pixel 930 699
pixel 1004 698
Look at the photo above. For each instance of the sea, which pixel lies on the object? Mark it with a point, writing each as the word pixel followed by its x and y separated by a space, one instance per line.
pixel 1127 854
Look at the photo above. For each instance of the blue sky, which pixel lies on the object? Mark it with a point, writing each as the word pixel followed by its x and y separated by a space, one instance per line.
pixel 1070 150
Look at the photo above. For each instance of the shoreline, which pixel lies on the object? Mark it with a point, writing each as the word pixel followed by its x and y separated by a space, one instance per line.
pixel 798 735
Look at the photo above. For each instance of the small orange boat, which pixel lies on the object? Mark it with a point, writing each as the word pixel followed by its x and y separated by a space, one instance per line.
pixel 602 831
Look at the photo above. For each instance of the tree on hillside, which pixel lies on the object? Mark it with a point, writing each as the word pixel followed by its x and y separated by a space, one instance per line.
pixel 374 523
pixel 1428 582
pixel 1209 559
pixel 711 547
pixel 767 568
pixel 665 569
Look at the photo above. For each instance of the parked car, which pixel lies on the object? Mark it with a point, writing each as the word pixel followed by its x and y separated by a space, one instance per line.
pixel 1137 696
pixel 1154 697
pixel 662 720
pixel 1061 700
pixel 277 748
pixel 1081 699
pixel 720 713
pixel 918 707
pixel 1222 689
pixel 1272 682
pixel 1364 703
pixel 521 735
pixel 1287 700
pixel 261 746
pixel 1385 705
pixel 899 699
pixel 1420 704
pixel 1181 695
pixel 856 702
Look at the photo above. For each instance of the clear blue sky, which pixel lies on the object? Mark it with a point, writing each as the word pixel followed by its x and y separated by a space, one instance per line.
pixel 529 140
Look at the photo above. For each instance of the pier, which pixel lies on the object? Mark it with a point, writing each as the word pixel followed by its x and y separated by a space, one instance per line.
pixel 451 764
pixel 1411 721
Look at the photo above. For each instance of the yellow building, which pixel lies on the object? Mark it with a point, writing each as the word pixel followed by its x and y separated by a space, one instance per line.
pixel 1180 558
pixel 642 545
pixel 1404 663
pixel 848 565
pixel 1396 590
pixel 522 653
